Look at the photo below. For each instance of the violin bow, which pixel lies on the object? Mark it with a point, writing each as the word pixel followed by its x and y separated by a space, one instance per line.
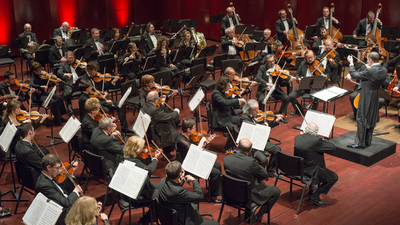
pixel 301 114
pixel 230 134
pixel 30 104
pixel 104 77
pixel 284 50
pixel 158 148
pixel 37 146
pixel 147 140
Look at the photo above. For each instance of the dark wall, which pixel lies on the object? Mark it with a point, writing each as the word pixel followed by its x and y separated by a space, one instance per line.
pixel 46 15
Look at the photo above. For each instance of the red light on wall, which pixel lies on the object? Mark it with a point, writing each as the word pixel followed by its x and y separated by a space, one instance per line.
pixel 5 21
pixel 121 11
pixel 67 11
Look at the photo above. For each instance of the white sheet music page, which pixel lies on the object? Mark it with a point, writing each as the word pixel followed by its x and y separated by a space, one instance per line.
pixel 196 99
pixel 138 127
pixel 128 181
pixel 49 97
pixel 123 99
pixel 324 121
pixel 69 129
pixel 7 136
pixel 258 134
pixel 42 211
pixel 199 161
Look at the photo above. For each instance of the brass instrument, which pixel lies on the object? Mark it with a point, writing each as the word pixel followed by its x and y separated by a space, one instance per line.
pixel 29 49
pixel 70 30
pixel 199 38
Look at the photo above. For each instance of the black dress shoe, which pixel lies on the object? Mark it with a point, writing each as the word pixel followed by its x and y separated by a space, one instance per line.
pixel 283 120
pixel 352 117
pixel 295 113
pixel 317 202
pixel 397 126
pixel 355 146
pixel 127 130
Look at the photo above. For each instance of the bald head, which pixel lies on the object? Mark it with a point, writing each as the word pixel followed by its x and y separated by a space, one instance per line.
pixel 152 96
pixel 311 128
pixel 245 145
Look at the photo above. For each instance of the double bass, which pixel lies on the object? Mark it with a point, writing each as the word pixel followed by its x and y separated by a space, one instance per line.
pixel 332 31
pixel 295 36
pixel 375 31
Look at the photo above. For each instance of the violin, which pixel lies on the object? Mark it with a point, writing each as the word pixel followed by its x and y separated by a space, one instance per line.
pixel 316 67
pixel 48 76
pixel 393 84
pixel 245 81
pixel 23 115
pixel 79 63
pixel 270 41
pixel 284 74
pixel 331 55
pixel 18 85
pixel 233 91
pixel 261 116
pixel 6 98
pixel 68 167
pixel 197 135
pixel 96 94
pixel 107 77
pixel 100 115
pixel 144 154
pixel 164 89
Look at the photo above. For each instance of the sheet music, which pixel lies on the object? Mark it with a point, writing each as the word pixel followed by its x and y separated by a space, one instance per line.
pixel 195 101
pixel 129 163
pixel 324 121
pixel 128 181
pixel 142 118
pixel 42 211
pixel 69 129
pixel 199 161
pixel 329 93
pixel 7 136
pixel 258 134
pixel 123 99
pixel 49 97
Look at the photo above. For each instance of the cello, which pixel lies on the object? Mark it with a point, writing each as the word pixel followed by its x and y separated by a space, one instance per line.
pixel 392 84
pixel 295 36
pixel 332 31
pixel 374 31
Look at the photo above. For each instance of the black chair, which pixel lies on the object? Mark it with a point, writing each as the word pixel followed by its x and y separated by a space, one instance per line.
pixel 217 64
pixel 5 59
pixel 76 146
pixel 27 177
pixel 95 168
pixel 236 193
pixel 133 100
pixel 292 167
pixel 229 63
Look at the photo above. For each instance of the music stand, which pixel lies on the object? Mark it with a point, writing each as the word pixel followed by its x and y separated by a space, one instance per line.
pixel 217 18
pixel 76 34
pixel 175 43
pixel 207 51
pixel 258 34
pixel 314 82
pixel 245 29
pixel 390 32
pixel 343 53
pixel 116 46
pixel 189 22
pixel 135 30
pixel 311 31
pixel 148 64
pixel 253 46
pixel 44 105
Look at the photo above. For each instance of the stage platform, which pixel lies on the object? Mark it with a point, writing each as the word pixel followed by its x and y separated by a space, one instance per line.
pixel 379 149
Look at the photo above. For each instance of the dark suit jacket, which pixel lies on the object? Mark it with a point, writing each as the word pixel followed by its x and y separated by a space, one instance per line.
pixel 362 27
pixel 91 43
pixel 302 70
pixel 225 23
pixel 172 195
pixel 58 32
pixel 54 54
pixel 393 63
pixel 88 125
pixel 4 88
pixel 320 23
pixel 222 110
pixel 311 149
pixel 33 38
pixel 29 155
pixel 332 71
pixel 106 146
pixel 262 77
pixel 149 43
pixel 225 43
pixel 316 44
pixel 65 68
pixel 280 28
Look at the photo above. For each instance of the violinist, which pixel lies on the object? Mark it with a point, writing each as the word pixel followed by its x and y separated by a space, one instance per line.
pixel 162 49
pixel 324 20
pixel 183 143
pixel 115 36
pixel 96 44
pixel 89 123
pixel 70 71
pixel 42 85
pixel 285 56
pixel 283 25
pixel 269 41
pixel 318 45
pixel 228 21
pixel 150 37
pixel 64 194
pixel 132 151
pixel 330 61
pixel 267 82
pixel 147 82
pixel 5 88
pixel 371 47
pixel 230 47
pixel 131 54
pixel 57 52
pixel 364 26
pixel 231 73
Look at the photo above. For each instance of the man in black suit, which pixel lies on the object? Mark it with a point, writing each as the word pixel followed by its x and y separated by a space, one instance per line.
pixel 229 21
pixel 312 148
pixel 364 26
pixel 32 43
pixel 260 57
pixel 244 167
pixel 64 194
pixel 371 79
pixel 332 65
pixel 5 89
pixel 324 20
pixel 150 37
pixel 283 25
pixel 104 143
pixel 57 52
pixel 62 32
pixel 172 195
pixel 163 130
pixel 96 43
pixel 318 45
pixel 229 47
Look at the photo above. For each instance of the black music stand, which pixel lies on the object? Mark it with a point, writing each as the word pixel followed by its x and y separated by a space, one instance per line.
pixel 343 53
pixel 311 31
pixel 149 63
pixel 116 46
pixel 175 43
pixel 390 33
pixel 245 29
pixel 135 30
pixel 314 82
pixel 207 51
pixel 253 46
pixel 217 18
pixel 189 22
pixel 76 35
pixel 258 34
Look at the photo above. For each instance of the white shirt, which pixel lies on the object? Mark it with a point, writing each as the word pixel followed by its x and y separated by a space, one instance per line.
pixel 368 28
pixel 74 75
pixel 97 42
pixel 62 191
pixel 309 74
pixel 63 34
pixel 230 22
pixel 232 50
pixel 285 22
pixel 12 92
pixel 326 22
pixel 154 40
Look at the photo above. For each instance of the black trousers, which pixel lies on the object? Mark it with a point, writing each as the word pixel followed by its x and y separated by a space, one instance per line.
pixel 327 179
pixel 56 105
pixel 121 113
pixel 279 95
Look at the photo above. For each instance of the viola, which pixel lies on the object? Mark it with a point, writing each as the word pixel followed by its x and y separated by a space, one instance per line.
pixel 270 41
pixel 18 85
pixel 48 76
pixel 144 154
pixel 23 115
pixel 96 94
pixel 331 55
pixel 100 115
pixel 317 67
pixel 284 74
pixel 245 81
pixel 6 98
pixel 79 63
pixel 261 116
pixel 164 89
pixel 107 77
pixel 68 167
pixel 233 91
pixel 285 54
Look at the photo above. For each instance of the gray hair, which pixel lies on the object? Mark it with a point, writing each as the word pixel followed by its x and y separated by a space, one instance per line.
pixel 267 30
pixel 26 25
pixel 268 56
pixel 105 123
pixel 94 30
pixel 250 105
pixel 311 128
pixel 65 24
pixel 227 30
pixel 228 69
pixel 152 96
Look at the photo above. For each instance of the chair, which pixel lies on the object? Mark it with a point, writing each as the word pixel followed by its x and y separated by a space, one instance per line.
pixel 229 63
pixel 217 64
pixel 27 177
pixel 75 145
pixel 5 60
pixel 131 101
pixel 236 193
pixel 292 168
pixel 42 57
pixel 95 168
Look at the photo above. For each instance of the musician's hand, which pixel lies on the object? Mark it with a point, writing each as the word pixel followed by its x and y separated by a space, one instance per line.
pixel 278 117
pixel 27 121
pixel 44 87
pixel 298 80
pixel 44 117
pixel 332 61
pixel 241 91
pixel 348 77
pixel 78 189
pixel 67 38
pixel 234 41
pixel 109 101
pixel 116 78
pixel 350 59
pixel 398 39
pixel 314 37
pixel 285 32
pixel 16 98
pixel 212 136
pixel 339 45
pixel 115 56
pixel 101 46
pixel 113 119
pixel 75 165
pixel 63 59
pixel 31 45
pixel 270 85
pixel 294 19
pixel 158 153
pixel 242 100
pixel 266 124
pixel 126 59
pixel 98 209
pixel 354 36
pixel 69 75
pixel 189 179
pixel 163 98
pixel 174 92
pixel 334 19
pixel 395 89
pixel 171 65
pixel 237 15
pixel 292 78
pixel 378 21
pixel 58 80
pixel 103 216
pixel 253 83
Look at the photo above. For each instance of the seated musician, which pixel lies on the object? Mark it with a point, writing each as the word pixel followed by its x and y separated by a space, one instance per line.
pixel 187 43
pixel 265 39
pixel 395 63
pixel 267 82
pixel 96 44
pixel 398 105
pixel 42 87
pixel 281 57
pixel 324 20
pixel 250 111
pixel 85 211
pixel 70 71
pixel 231 73
pixel 163 124
pixel 131 54
pixel 162 49
pixel 5 89
pixel 364 26
pixel 57 52
pixel 133 151
pixel 244 167
pixel 62 31
pixel 283 25
pixel 150 37
pixel 183 144
pixel 89 122
pixel 172 195
pixel 26 152
pixel 104 143
pixel 229 47
pixel 27 51
pixel 318 45
pixel 115 35
pixel 229 21
pixel 65 194
pixel 147 83
pixel 330 64
pixel 223 115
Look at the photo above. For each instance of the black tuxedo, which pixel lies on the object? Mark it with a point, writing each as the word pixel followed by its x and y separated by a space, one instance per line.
pixel 226 42
pixel 91 43
pixel 104 145
pixel 318 42
pixel 88 124
pixel 320 23
pixel 58 32
pixel 332 71
pixel 225 23
pixel 28 154
pixel 280 28
pixel 222 110
pixel 149 43
pixel 54 54
pixel 361 30
pixel 66 68
pixel 260 56
pixel 26 55
pixel 395 62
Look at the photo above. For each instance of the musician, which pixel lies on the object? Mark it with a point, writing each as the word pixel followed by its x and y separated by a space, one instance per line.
pixel 64 194
pixel 85 211
pixel 250 110
pixel 265 39
pixel 244 167
pixel 187 43
pixel 372 79
pixel 62 32
pixel 230 48
pixel 163 124
pixel 318 45
pixel 283 25
pixel 183 143
pixel 42 86
pixel 172 195
pixel 70 71
pixel 27 153
pixel 57 52
pixel 231 73
pixel 147 82
pixel 5 89
pixel 324 20
pixel 398 105
pixel 96 43
pixel 131 54
pixel 267 82
pixel 332 65
pixel 27 51
pixel 312 148
pixel 395 63
pixel 364 26
pixel 162 49
pixel 89 122
pixel 229 21
pixel 150 37
pixel 115 35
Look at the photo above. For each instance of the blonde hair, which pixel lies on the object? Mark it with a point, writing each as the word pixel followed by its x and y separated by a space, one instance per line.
pixel 83 212
pixel 133 146
pixel 11 106
pixel 92 104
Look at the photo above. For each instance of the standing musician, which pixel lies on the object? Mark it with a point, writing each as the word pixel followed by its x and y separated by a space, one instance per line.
pixel 229 47
pixel 57 52
pixel 162 49
pixel 324 20
pixel 42 86
pixel 364 26
pixel 70 71
pixel 318 45
pixel 267 82
pixel 283 25
pixel 27 51
pixel 150 37
pixel 65 194
pixel 89 122
pixel 330 64
pixel 371 79
pixel 62 32
pixel 228 21
pixel 96 44
pixel 131 54
pixel 265 39
pixel 183 143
